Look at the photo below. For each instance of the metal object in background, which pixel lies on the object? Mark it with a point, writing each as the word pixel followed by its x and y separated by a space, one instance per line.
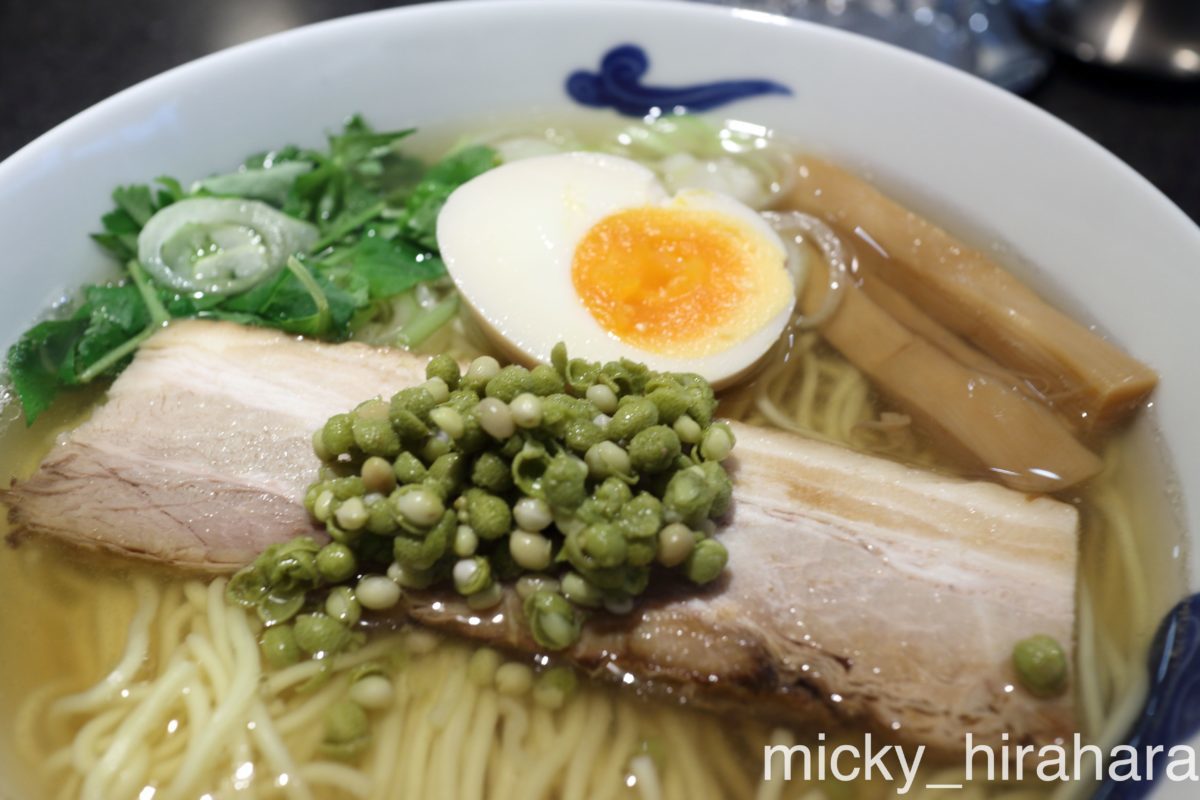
pixel 1160 37
pixel 979 36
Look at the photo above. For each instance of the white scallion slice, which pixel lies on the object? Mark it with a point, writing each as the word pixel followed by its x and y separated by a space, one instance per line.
pixel 220 246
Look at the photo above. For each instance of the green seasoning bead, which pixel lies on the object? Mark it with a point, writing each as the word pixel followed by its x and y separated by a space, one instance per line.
pixel 552 620
pixel 564 482
pixel 376 437
pixel 529 583
pixel 345 488
pixel 526 410
pixel 419 552
pixel 580 592
pixel 544 381
pixel 722 487
pixel 352 514
pixel 465 541
pixel 487 514
pixel 581 434
pixel 336 562
pixel 707 560
pixel 508 383
pixel 377 592
pixel 688 430
pixel 641 517
pixel 560 409
pixel 495 417
pixel 408 468
pixel 447 475
pixel 472 575
pixel 448 420
pixel 634 414
pixel 347 729
pixel 655 449
pixel 279 646
pixel 322 508
pixel 672 403
pixel 408 427
pixel 1041 665
pixel 338 435
pixel 531 551
pixel 379 516
pixel 612 495
pixel 342 605
pixel 319 633
pixel 532 514
pixel 675 544
pixel 717 442
pixel 604 398
pixel 410 577
pixel 606 459
pixel 444 367
pixel 416 506
pixel 473 438
pixel 377 475
pixel 318 444
pixel 492 473
pixel 487 598
pixel 437 389
pixel 416 400
pixel 688 496
pixel 604 544
pixel 482 370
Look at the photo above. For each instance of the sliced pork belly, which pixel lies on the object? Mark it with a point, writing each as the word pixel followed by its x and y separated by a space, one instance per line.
pixel 203 450
pixel 857 589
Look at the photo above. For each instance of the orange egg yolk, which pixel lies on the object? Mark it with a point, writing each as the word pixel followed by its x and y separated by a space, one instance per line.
pixel 678 281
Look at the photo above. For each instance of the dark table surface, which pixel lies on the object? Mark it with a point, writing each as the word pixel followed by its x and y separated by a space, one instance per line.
pixel 58 57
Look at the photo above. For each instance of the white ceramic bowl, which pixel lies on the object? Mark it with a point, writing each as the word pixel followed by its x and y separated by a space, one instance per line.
pixel 978 158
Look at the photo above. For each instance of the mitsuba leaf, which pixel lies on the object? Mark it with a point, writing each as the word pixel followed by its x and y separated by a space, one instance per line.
pixel 36 360
pixel 114 315
pixel 284 303
pixel 427 199
pixel 391 267
pixel 135 205
pixel 51 355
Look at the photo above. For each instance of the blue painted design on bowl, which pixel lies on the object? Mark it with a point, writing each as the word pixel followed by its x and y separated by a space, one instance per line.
pixel 1172 713
pixel 617 85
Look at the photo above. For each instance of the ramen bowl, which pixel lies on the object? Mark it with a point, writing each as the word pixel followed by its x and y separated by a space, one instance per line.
pixel 1066 215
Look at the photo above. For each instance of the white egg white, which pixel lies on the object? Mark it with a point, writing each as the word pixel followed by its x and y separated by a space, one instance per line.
pixel 508 239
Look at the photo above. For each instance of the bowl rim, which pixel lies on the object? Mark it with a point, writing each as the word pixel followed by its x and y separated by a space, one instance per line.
pixel 27 154
pixel 22 165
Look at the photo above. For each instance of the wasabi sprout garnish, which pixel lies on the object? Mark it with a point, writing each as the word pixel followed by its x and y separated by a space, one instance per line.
pixel 333 243
pixel 569 481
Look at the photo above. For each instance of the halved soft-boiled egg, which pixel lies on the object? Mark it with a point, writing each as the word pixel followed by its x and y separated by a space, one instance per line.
pixel 590 249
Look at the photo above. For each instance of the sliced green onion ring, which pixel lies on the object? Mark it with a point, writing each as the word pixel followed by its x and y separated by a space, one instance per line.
pixel 220 246
pixel 795 227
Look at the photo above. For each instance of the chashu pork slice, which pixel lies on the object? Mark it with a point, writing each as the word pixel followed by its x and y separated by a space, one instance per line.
pixel 201 453
pixel 857 590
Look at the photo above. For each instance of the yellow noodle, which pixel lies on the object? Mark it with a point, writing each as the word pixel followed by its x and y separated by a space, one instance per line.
pixel 586 752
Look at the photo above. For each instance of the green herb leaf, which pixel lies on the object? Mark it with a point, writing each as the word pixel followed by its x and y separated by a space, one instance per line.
pixel 427 199
pixel 391 267
pixel 35 361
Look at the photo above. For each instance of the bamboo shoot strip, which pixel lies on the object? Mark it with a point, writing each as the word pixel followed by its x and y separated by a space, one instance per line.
pixel 1085 376
pixel 971 414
